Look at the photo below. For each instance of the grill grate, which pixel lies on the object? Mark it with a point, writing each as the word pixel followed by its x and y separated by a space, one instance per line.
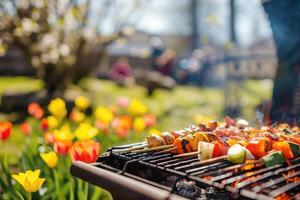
pixel 239 181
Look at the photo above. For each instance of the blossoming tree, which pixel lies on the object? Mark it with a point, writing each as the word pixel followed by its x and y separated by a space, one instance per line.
pixel 63 39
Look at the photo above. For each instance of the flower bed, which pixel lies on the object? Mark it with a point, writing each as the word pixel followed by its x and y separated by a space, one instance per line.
pixel 54 137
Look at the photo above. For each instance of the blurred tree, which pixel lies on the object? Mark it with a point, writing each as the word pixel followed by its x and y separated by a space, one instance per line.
pixel 62 39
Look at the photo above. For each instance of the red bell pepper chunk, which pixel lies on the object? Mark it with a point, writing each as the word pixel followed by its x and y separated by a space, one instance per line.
pixel 178 144
pixel 258 148
pixel 220 149
pixel 296 139
pixel 284 147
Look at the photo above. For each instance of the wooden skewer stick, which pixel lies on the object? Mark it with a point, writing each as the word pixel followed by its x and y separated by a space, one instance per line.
pixel 153 149
pixel 186 154
pixel 167 150
pixel 202 162
pixel 132 148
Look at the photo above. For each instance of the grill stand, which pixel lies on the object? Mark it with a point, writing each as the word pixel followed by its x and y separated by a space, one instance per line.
pixel 121 188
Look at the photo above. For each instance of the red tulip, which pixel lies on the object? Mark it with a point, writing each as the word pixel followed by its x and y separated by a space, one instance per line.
pixel 25 128
pixel 124 121
pixel 49 138
pixel 44 124
pixel 104 127
pixel 5 130
pixel 86 151
pixel 35 110
pixel 62 147
pixel 149 119
pixel 122 132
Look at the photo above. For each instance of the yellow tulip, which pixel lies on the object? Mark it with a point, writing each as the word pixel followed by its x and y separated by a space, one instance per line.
pixel 154 131
pixel 29 180
pixel 82 102
pixel 62 135
pixel 103 114
pixel 202 119
pixel 139 124
pixel 137 107
pixel 65 127
pixel 57 107
pixel 86 131
pixel 49 158
pixel 77 116
pixel 52 122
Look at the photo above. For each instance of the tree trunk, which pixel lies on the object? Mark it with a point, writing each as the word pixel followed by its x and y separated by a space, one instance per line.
pixel 232 18
pixel 194 24
pixel 55 81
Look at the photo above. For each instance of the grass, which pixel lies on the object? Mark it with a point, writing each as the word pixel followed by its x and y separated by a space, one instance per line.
pixel 19 84
pixel 178 107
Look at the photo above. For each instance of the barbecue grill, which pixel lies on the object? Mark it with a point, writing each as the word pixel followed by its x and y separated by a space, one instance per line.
pixel 156 175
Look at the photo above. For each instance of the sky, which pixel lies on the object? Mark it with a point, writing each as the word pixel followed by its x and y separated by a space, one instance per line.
pixel 169 17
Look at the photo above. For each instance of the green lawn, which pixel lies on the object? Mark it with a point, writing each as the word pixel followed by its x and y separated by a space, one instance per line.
pixel 175 109
pixel 19 84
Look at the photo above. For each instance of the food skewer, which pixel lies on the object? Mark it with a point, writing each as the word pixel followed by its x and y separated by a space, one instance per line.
pixel 170 142
pixel 237 154
pixel 266 140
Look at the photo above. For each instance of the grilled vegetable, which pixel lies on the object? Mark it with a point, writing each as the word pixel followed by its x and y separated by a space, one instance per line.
pixel 220 149
pixel 273 159
pixel 205 150
pixel 212 125
pixel 187 142
pixel 231 142
pixel 178 145
pixel 194 141
pixel 201 136
pixel 258 147
pixel 295 148
pixel 238 154
pixel 241 123
pixel 155 141
pixel 285 148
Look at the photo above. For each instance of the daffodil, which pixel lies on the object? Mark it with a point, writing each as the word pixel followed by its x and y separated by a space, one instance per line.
pixel 29 180
pixel 50 158
pixel 139 124
pixel 86 131
pixel 137 107
pixel 82 102
pixel 57 108
pixel 52 122
pixel 103 114
pixel 62 135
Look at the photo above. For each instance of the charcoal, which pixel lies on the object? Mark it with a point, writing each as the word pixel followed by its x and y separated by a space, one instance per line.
pixel 187 189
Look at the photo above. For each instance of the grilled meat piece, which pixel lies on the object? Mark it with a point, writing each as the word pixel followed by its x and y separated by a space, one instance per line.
pixel 155 141
pixel 168 137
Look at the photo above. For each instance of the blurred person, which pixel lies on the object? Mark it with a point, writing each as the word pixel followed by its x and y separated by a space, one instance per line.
pixel 284 17
pixel 158 47
pixel 165 62
pixel 194 69
pixel 120 70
